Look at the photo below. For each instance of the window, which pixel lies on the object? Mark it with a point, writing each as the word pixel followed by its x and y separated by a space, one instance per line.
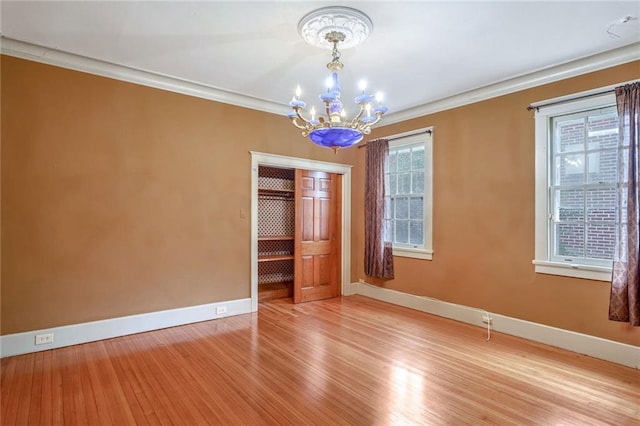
pixel 576 172
pixel 409 194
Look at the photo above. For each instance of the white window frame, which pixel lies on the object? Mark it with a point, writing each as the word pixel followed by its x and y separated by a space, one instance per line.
pixel 543 263
pixel 425 136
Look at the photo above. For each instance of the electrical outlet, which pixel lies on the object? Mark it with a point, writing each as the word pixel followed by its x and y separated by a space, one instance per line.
pixel 43 339
pixel 221 310
pixel 487 319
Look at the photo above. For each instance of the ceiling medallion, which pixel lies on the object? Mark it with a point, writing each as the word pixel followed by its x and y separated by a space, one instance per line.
pixel 327 27
pixel 355 25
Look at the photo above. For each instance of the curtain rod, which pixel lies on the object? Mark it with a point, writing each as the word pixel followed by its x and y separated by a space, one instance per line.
pixel 429 131
pixel 562 101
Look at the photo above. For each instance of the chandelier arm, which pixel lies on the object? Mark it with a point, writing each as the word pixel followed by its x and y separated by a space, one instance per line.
pixel 294 120
pixel 378 118
pixel 356 119
pixel 304 120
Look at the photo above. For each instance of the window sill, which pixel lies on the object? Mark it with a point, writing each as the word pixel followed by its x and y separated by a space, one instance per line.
pixel 414 253
pixel 598 273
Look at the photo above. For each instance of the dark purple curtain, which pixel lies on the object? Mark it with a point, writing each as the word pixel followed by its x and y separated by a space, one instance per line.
pixel 624 303
pixel 378 250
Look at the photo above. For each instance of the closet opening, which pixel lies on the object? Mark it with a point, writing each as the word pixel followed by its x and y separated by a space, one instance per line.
pixel 276 232
pixel 300 215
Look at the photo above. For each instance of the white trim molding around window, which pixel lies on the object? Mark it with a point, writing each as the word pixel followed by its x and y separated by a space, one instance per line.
pixel 575 187
pixel 409 192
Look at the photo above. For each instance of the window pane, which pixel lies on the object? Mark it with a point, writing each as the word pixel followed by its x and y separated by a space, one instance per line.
pixel 602 166
pixel 402 208
pixel 600 241
pixel 417 158
pixel 393 186
pixel 603 130
pixel 404 183
pixel 569 205
pixel 601 204
pixel 402 231
pixel 388 230
pixel 415 232
pixel 417 182
pixel 569 134
pixel 388 207
pixel 416 208
pixel 392 208
pixel 569 240
pixel 404 160
pixel 569 169
pixel 392 161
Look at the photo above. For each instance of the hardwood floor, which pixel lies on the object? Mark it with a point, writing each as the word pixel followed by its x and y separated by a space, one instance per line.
pixel 349 360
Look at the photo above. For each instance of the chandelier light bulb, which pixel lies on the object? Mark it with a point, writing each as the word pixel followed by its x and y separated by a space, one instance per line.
pixel 379 97
pixel 329 83
pixel 362 85
pixel 298 92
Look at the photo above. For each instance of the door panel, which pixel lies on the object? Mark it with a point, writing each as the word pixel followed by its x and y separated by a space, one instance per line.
pixel 324 222
pixel 324 269
pixel 307 272
pixel 307 182
pixel 317 270
pixel 306 227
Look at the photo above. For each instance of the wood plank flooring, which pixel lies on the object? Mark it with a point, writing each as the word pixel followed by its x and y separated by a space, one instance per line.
pixel 350 360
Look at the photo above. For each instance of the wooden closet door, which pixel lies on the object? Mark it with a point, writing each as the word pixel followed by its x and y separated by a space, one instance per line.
pixel 317 235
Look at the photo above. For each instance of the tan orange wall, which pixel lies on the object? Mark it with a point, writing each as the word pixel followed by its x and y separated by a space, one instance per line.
pixel 120 199
pixel 483 218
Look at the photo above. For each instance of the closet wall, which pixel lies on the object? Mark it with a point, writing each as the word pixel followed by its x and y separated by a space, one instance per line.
pixel 276 224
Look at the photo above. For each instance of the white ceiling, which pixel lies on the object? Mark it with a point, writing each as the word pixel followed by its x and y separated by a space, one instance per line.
pixel 418 52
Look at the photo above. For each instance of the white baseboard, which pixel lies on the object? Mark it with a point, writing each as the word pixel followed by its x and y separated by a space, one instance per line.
pixel 596 347
pixel 21 343
pixel 620 353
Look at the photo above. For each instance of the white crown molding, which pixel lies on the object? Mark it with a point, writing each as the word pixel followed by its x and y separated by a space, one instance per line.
pixel 608 350
pixel 59 58
pixel 33 52
pixel 552 74
pixel 75 334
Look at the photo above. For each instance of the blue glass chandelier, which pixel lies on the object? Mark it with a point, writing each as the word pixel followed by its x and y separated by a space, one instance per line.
pixel 333 129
